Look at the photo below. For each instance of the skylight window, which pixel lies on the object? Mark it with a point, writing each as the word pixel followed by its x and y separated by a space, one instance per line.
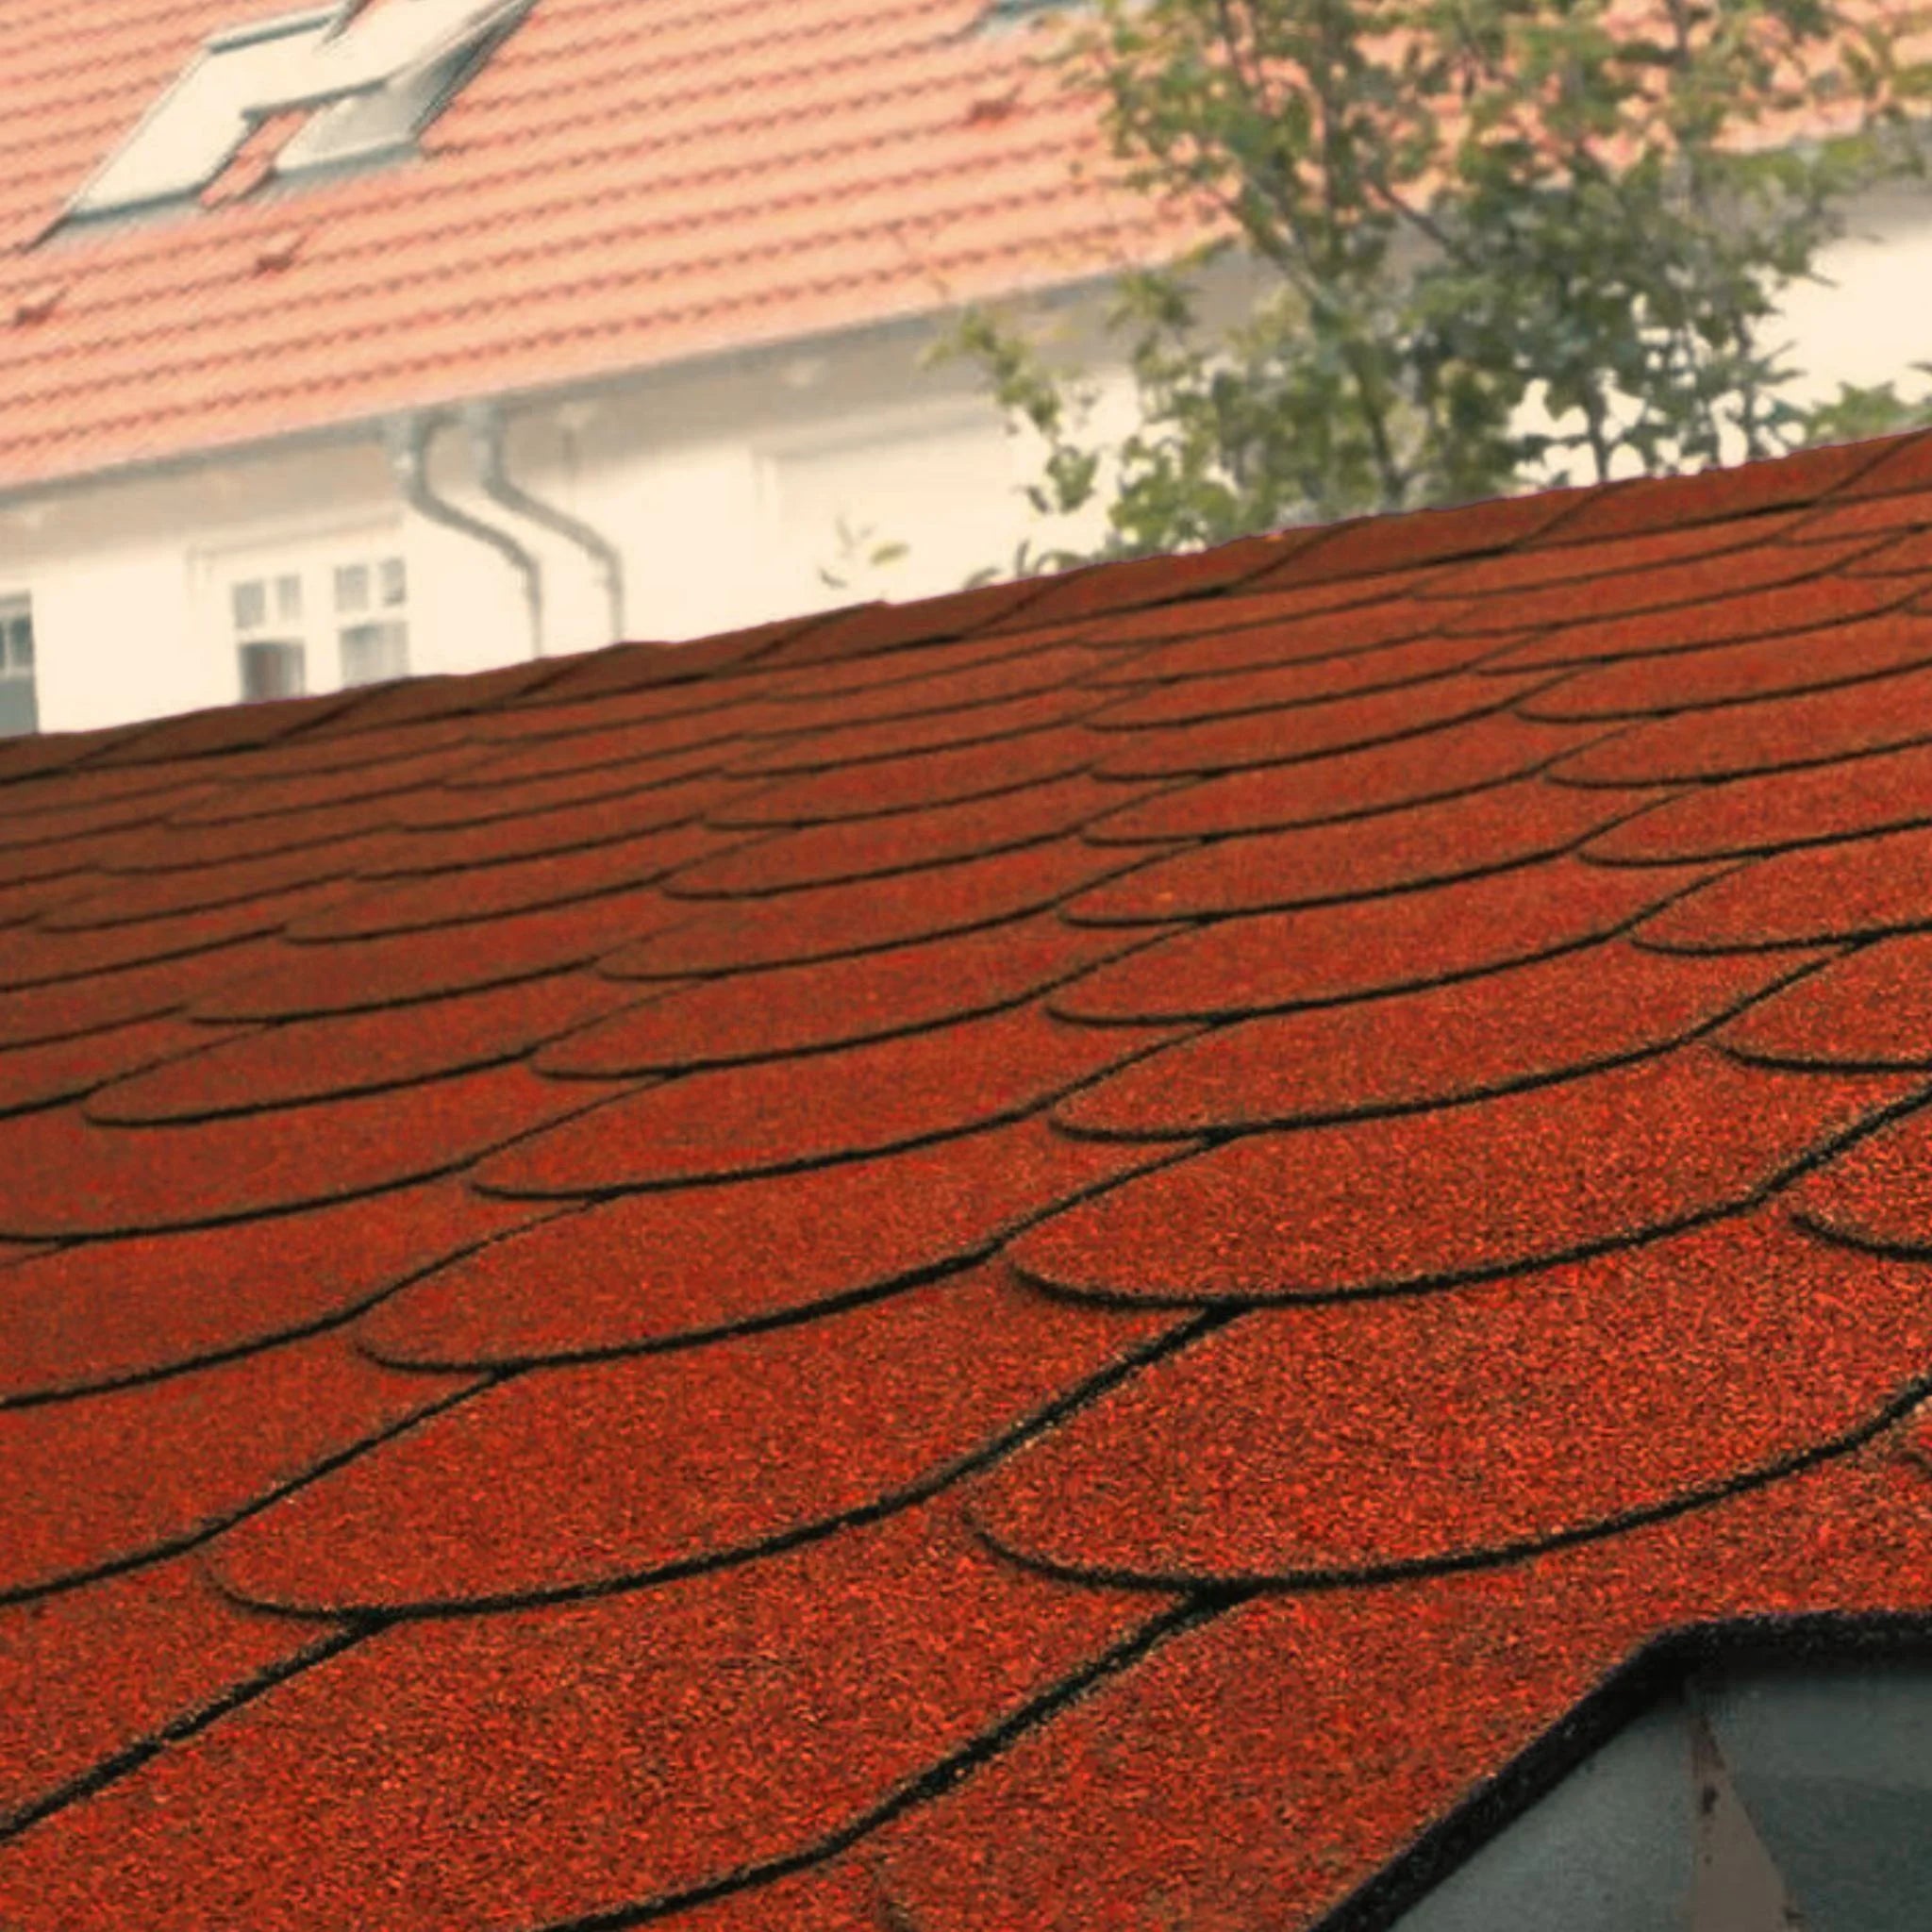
pixel 187 137
pixel 372 84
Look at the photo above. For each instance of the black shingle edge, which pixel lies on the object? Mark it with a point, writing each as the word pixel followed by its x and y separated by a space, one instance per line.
pixel 1818 1156
pixel 923 1489
pixel 1625 928
pixel 1199 1608
pixel 302 1331
pixel 1218 1134
pixel 1524 1549
pixel 132 1756
pixel 1651 1672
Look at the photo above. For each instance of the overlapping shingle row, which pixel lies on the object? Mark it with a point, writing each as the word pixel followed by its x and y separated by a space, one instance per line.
pixel 1072 1256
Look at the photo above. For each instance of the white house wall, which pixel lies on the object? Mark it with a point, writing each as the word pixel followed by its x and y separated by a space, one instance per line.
pixel 721 485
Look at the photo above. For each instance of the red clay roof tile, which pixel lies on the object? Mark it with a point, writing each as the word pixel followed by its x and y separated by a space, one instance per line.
pixel 751 1284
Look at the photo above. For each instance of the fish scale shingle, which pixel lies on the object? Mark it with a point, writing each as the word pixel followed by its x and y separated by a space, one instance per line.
pixel 1066 1256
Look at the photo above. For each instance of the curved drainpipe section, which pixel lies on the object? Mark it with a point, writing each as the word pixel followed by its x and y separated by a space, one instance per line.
pixel 404 438
pixel 485 421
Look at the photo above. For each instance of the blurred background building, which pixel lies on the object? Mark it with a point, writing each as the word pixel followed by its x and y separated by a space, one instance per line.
pixel 351 342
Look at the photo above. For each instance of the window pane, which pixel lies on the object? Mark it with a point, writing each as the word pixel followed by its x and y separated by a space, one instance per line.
pixel 352 587
pixel 17 644
pixel 271 670
pixel 19 712
pixel 393 583
pixel 372 653
pixel 288 597
pixel 251 606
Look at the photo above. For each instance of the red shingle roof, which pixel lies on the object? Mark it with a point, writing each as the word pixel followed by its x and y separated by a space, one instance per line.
pixel 1073 1255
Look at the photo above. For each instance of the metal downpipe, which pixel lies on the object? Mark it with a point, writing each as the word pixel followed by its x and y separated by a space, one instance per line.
pixel 486 425
pixel 404 439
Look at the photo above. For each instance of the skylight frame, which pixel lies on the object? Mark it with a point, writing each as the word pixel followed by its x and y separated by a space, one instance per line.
pixel 225 124
pixel 370 84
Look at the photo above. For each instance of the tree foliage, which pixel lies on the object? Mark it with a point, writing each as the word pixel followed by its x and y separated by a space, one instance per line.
pixel 1585 228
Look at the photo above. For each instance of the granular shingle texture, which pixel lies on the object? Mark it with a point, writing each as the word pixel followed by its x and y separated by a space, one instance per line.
pixel 1081 1255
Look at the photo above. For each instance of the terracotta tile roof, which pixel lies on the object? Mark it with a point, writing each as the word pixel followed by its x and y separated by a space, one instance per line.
pixel 1083 1255
pixel 606 193
pixel 615 188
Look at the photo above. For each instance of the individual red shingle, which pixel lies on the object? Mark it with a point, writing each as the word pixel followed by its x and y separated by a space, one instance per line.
pixel 1873 1193
pixel 140 1472
pixel 1135 585
pixel 1352 948
pixel 930 731
pixel 569 1477
pixel 1212 635
pixel 1729 673
pixel 24 900
pixel 1737 739
pixel 435 698
pixel 895 842
pixel 1462 758
pixel 1309 1441
pixel 865 915
pixel 1854 889
pixel 90 1673
pixel 556 1762
pixel 855 636
pixel 412 901
pixel 43 958
pixel 68 1177
pixel 350 976
pixel 1457 1193
pixel 57 810
pixel 1587 1007
pixel 1871 1007
pixel 535 820
pixel 1431 844
pixel 651 1269
pixel 1390 544
pixel 110 1311
pixel 1895 510
pixel 1729 611
pixel 342 1054
pixel 51 1070
pixel 377 766
pixel 1332 629
pixel 220 883
pixel 1664 503
pixel 1909 555
pixel 784 1010
pixel 915 780
pixel 765 1117
pixel 1770 810
pixel 1559 558
pixel 1307 731
pixel 559 723
pixel 63 1010
pixel 1184 700
pixel 557 772
pixel 1011 676
pixel 236 728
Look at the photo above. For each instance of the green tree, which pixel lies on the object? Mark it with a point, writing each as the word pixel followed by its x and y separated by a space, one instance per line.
pixel 1578 228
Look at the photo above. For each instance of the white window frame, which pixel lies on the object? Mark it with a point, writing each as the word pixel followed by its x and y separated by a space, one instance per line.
pixel 318 621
